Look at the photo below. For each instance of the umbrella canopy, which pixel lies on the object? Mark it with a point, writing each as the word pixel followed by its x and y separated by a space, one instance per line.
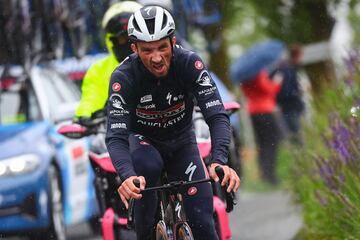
pixel 257 57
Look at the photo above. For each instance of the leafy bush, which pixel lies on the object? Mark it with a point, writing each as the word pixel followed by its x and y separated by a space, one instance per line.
pixel 326 174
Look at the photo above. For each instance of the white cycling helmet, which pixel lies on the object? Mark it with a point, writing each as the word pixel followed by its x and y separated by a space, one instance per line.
pixel 150 24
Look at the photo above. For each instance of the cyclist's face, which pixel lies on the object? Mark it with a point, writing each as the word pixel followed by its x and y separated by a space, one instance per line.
pixel 156 56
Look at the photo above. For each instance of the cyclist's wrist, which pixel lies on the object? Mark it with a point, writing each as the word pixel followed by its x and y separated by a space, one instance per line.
pixel 217 161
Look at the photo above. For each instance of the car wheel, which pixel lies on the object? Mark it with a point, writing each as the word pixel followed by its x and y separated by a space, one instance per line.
pixel 57 228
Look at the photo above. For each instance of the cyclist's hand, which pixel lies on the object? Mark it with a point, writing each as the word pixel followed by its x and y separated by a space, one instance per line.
pixel 128 189
pixel 230 177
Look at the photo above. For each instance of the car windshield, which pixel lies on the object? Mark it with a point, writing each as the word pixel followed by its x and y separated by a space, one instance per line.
pixel 17 102
pixel 61 93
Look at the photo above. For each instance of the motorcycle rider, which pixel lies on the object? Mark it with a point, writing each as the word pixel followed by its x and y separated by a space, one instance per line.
pixel 149 113
pixel 96 81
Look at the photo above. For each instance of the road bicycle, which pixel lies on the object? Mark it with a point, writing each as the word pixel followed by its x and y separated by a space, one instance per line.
pixel 113 215
pixel 172 221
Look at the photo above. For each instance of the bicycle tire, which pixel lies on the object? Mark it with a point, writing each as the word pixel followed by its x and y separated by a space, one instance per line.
pixel 161 231
pixel 183 232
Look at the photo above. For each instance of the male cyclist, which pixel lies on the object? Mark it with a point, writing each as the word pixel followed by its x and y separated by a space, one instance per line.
pixel 96 81
pixel 150 105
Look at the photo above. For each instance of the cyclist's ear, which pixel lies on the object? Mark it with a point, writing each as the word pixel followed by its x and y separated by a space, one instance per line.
pixel 134 47
pixel 173 40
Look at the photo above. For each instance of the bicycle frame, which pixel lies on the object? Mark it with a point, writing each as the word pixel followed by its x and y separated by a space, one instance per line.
pixel 171 207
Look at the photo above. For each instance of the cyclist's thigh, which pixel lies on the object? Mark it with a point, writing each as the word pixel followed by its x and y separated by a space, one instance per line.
pixel 146 158
pixel 148 163
pixel 187 164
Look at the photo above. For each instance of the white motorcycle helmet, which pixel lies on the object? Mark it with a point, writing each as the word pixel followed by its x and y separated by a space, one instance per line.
pixel 150 23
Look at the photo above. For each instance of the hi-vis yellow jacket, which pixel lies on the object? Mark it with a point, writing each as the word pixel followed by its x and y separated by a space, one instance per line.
pixel 95 86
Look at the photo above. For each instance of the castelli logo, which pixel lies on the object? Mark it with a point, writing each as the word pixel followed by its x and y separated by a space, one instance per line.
pixel 199 65
pixel 116 87
pixel 192 191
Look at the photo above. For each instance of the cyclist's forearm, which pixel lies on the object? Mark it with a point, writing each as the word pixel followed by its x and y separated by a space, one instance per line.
pixel 220 131
pixel 119 152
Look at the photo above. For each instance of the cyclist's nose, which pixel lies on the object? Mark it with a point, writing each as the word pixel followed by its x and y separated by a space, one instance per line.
pixel 156 58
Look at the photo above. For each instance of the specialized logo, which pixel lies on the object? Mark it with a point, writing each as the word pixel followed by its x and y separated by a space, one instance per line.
pixel 146 98
pixel 190 170
pixel 199 65
pixel 168 97
pixel 204 79
pixel 148 10
pixel 192 191
pixel 178 209
pixel 116 87
pixel 117 101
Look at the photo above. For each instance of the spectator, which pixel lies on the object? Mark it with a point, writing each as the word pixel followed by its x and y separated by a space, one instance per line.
pixel 260 93
pixel 289 98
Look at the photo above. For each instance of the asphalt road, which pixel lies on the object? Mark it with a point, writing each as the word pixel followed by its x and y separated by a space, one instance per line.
pixel 270 216
pixel 258 216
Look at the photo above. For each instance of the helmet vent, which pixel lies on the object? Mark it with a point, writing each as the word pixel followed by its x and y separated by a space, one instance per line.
pixel 164 21
pixel 150 23
pixel 136 25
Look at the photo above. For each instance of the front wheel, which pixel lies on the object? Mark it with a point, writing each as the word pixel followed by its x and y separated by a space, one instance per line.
pixel 161 231
pixel 183 232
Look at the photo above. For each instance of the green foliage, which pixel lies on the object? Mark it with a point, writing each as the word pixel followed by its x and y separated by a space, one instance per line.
pixel 354 19
pixel 326 173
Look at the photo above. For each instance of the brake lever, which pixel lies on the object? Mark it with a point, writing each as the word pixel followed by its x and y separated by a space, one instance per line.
pixel 130 220
pixel 229 196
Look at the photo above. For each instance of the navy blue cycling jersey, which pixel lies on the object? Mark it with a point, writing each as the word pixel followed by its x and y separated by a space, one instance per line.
pixel 161 108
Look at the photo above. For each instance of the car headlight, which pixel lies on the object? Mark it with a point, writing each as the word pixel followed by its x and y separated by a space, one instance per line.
pixel 18 165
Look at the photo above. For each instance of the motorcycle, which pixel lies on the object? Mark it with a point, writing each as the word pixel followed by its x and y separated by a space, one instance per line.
pixel 113 214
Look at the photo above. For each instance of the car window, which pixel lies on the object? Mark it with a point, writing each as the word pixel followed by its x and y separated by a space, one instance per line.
pixel 59 89
pixel 18 102
pixel 61 93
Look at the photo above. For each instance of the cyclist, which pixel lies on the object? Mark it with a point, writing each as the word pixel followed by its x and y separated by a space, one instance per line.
pixel 96 81
pixel 150 105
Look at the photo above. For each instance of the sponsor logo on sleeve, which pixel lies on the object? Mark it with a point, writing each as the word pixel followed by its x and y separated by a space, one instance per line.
pixel 117 101
pixel 199 65
pixel 146 98
pixel 118 125
pixel 116 87
pixel 213 103
pixel 204 79
pixel 119 112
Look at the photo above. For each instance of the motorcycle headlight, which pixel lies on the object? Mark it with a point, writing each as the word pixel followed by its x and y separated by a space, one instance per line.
pixel 19 165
